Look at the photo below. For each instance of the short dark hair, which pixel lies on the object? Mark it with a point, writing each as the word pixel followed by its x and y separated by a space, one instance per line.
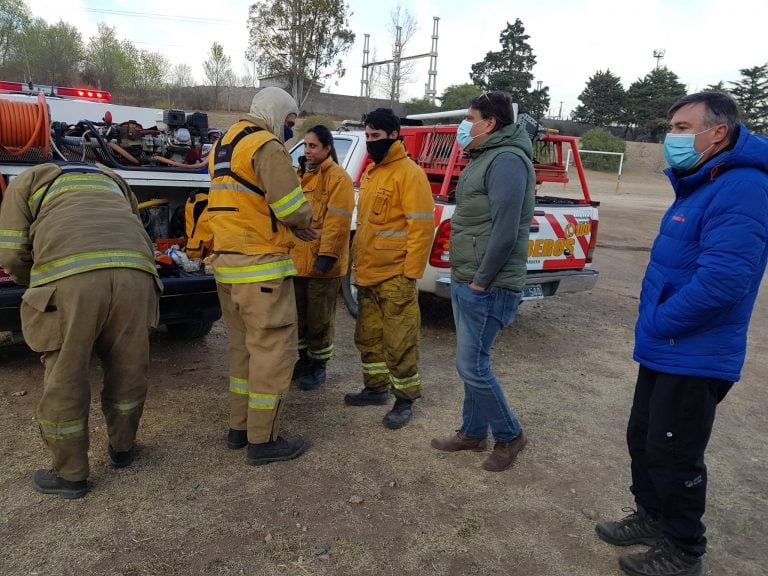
pixel 383 119
pixel 494 105
pixel 719 108
pixel 326 139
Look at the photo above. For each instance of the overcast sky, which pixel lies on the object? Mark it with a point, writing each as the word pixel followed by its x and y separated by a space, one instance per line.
pixel 705 41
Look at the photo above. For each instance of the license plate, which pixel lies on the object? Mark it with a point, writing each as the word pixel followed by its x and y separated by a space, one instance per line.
pixel 534 292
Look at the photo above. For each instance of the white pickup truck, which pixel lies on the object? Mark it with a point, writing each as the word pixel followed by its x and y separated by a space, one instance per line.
pixel 563 231
pixel 158 152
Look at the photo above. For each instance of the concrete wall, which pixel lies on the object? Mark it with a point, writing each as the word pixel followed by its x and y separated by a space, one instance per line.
pixel 239 99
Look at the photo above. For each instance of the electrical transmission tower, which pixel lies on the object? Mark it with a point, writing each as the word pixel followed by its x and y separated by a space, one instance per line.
pixel 430 87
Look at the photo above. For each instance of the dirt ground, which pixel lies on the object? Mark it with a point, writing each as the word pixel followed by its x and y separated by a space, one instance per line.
pixel 366 500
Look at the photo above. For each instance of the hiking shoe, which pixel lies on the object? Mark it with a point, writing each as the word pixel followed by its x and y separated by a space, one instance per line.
pixel 280 449
pixel 663 559
pixel 120 459
pixel 459 442
pixel 313 377
pixel 300 367
pixel 237 439
pixel 504 453
pixel 637 528
pixel 400 415
pixel 367 397
pixel 48 482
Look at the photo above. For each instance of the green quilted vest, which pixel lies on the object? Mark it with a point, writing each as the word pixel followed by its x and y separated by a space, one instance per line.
pixel 471 222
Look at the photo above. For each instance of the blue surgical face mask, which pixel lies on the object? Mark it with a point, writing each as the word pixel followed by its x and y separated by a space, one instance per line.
pixel 287 132
pixel 463 133
pixel 679 150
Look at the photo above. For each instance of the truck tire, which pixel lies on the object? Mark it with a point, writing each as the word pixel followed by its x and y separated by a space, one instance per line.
pixel 349 292
pixel 190 330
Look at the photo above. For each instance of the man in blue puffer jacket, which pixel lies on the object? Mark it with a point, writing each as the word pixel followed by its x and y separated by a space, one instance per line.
pixel 691 335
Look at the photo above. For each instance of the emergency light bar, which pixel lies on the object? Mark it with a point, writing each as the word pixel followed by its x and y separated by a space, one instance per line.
pixel 30 88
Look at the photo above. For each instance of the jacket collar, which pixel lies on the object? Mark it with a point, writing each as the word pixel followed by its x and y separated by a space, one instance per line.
pixel 396 152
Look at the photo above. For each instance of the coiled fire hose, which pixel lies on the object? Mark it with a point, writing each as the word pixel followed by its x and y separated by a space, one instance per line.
pixel 24 126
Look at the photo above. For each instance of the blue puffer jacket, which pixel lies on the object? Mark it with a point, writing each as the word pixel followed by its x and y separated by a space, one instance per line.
pixel 706 266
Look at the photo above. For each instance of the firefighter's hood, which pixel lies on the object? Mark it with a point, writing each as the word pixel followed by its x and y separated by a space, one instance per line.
pixel 272 105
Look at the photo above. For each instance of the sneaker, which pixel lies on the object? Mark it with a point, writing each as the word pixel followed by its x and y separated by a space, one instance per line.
pixel 367 397
pixel 637 528
pixel 237 439
pixel 280 449
pixel 504 453
pixel 663 559
pixel 48 482
pixel 120 459
pixel 400 415
pixel 459 442
pixel 313 377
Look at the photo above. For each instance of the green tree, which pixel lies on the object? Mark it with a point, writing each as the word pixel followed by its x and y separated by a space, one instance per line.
pixel 602 101
pixel 217 70
pixel 62 55
pixel 105 59
pixel 509 70
pixel 458 96
pixel 302 40
pixel 602 140
pixel 152 73
pixel 719 87
pixel 420 106
pixel 751 94
pixel 649 99
pixel 14 16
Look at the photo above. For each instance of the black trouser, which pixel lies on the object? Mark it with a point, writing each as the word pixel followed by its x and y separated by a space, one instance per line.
pixel 667 434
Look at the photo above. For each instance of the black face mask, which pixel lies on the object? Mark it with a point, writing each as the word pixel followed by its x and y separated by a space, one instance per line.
pixel 377 149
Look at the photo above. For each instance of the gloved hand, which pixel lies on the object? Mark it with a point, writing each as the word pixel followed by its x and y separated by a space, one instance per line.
pixel 306 234
pixel 324 263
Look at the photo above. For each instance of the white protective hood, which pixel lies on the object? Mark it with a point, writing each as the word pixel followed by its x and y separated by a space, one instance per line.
pixel 273 105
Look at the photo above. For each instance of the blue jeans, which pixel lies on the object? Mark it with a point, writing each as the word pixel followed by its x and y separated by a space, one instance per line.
pixel 479 317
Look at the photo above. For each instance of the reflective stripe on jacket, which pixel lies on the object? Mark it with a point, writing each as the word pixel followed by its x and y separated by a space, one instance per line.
pixel 330 192
pixel 59 222
pixel 246 218
pixel 395 220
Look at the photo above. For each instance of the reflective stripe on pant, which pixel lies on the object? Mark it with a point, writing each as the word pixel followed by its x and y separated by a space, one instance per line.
pixel 262 333
pixel 316 307
pixel 387 336
pixel 99 312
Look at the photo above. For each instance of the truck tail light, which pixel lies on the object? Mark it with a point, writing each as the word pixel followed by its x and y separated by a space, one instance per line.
pixel 440 256
pixel 592 242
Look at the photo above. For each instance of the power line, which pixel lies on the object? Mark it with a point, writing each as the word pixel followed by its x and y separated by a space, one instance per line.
pixel 153 16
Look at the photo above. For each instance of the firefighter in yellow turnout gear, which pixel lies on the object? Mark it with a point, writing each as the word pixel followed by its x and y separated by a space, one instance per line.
pixel 73 235
pixel 256 209
pixel 395 225
pixel 322 262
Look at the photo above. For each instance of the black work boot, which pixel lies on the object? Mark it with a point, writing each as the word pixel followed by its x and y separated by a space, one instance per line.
pixel 280 449
pixel 663 559
pixel 48 482
pixel 301 366
pixel 237 439
pixel 313 377
pixel 400 415
pixel 367 397
pixel 120 459
pixel 637 528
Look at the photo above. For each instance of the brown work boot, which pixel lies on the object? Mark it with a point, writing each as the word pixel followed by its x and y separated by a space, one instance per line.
pixel 504 453
pixel 459 442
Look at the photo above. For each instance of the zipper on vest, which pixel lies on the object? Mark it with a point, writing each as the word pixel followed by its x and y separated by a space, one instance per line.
pixel 223 209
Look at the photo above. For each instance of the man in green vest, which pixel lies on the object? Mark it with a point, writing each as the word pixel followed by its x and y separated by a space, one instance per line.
pixel 489 248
